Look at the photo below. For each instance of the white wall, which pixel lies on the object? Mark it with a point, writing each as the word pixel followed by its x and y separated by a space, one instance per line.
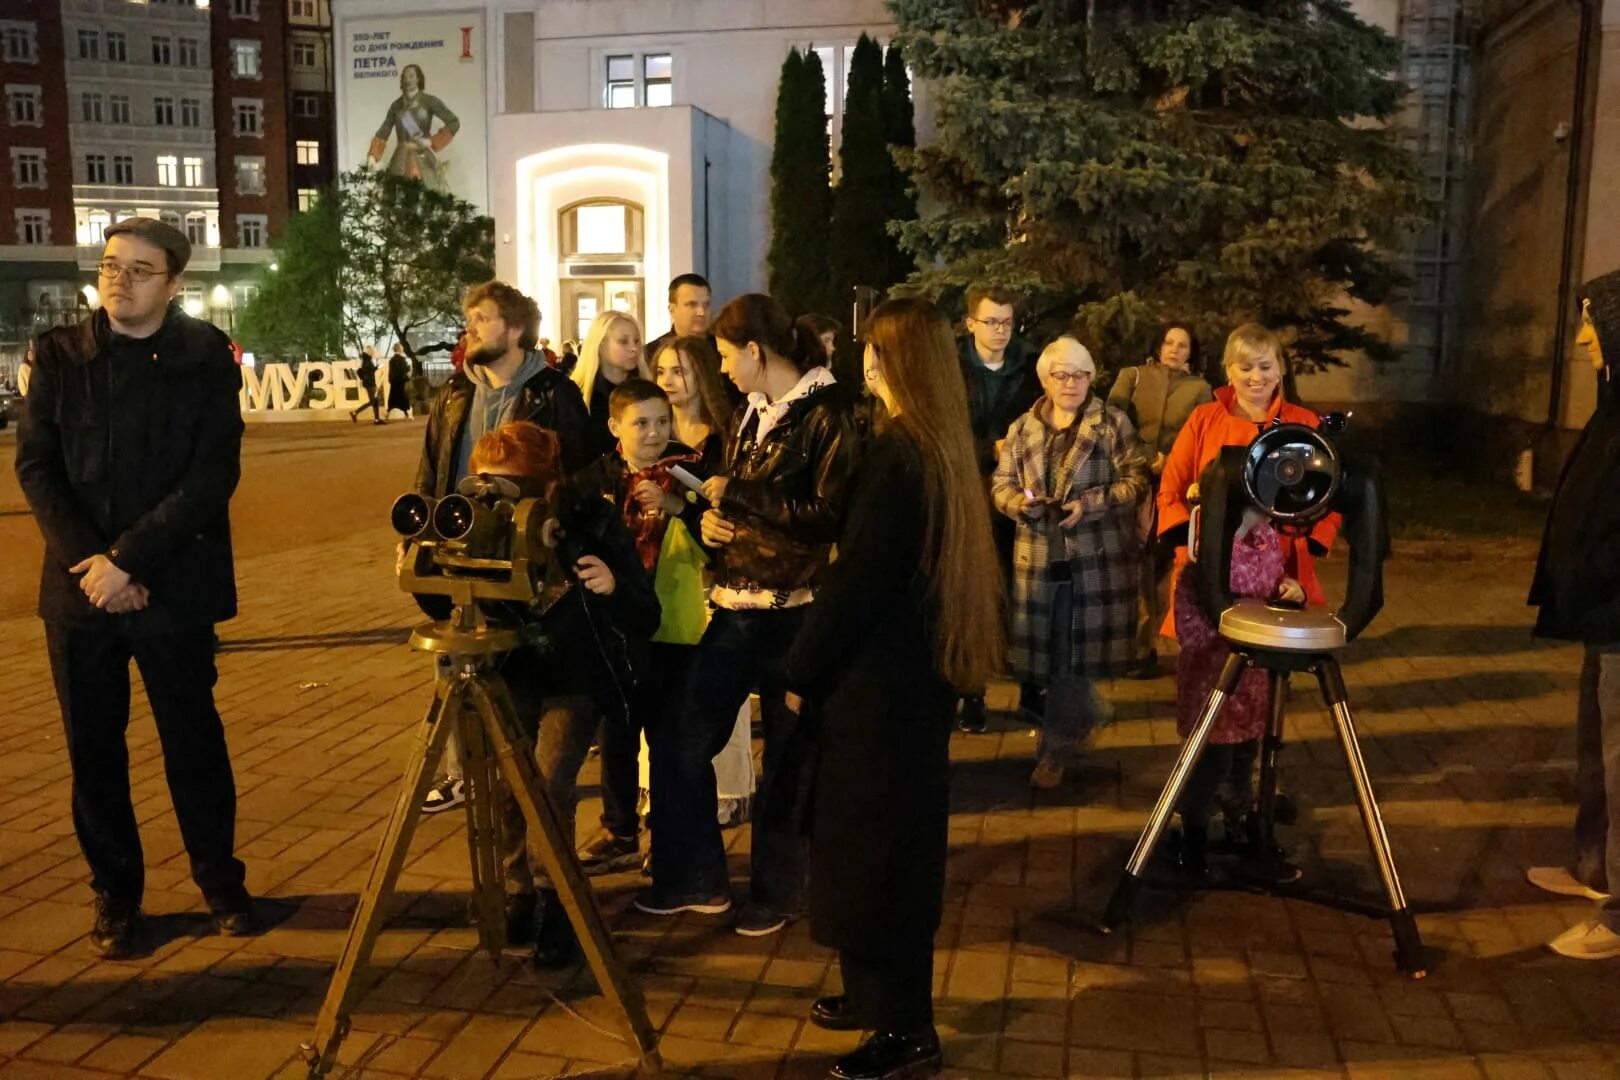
pixel 727 60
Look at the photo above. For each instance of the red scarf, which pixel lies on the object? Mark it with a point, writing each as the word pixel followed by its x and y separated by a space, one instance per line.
pixel 648 532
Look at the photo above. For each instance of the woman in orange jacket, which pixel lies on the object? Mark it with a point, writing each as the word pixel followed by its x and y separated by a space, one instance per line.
pixel 1266 564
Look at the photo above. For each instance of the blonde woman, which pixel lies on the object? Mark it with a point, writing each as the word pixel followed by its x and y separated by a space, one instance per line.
pixel 610 354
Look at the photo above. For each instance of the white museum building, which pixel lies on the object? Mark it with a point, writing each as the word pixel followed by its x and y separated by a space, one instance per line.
pixel 623 141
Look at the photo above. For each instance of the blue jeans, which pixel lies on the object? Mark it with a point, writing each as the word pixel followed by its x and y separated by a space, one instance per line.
pixel 741 652
pixel 1597 778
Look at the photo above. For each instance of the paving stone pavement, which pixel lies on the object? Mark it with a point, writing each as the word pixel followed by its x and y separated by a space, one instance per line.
pixel 1466 726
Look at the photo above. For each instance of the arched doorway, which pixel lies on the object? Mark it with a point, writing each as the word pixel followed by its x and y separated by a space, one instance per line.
pixel 600 261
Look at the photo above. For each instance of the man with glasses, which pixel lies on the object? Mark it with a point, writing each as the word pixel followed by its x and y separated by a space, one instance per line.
pixel 128 452
pixel 1002 385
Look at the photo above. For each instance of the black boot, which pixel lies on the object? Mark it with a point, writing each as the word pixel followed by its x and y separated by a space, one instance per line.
pixel 520 926
pixel 1032 703
pixel 893 1055
pixel 1194 850
pixel 116 934
pixel 555 945
pixel 971 719
pixel 834 1014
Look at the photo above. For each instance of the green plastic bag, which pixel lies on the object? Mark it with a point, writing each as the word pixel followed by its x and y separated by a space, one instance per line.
pixel 678 581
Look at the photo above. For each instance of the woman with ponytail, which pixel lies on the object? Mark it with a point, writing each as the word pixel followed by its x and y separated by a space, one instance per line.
pixel 908 618
pixel 774 514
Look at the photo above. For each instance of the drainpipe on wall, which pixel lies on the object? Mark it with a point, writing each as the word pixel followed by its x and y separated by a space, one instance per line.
pixel 1572 194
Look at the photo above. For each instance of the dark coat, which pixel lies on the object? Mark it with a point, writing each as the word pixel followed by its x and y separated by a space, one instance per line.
pixel 785 494
pixel 1577 581
pixel 135 458
pixel 995 402
pixel 547 399
pixel 865 661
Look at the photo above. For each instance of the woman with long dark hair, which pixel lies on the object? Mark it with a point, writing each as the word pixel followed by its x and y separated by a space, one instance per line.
pixel 907 618
pixel 775 513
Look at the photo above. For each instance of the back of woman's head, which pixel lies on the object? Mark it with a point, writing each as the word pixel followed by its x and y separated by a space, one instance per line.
pixel 523 450
pixel 756 317
pixel 916 357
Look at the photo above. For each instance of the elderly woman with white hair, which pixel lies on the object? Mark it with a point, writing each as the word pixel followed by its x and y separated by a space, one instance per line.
pixel 1071 474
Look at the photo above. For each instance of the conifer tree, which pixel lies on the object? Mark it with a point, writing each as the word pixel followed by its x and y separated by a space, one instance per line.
pixel 1126 161
pixel 861 247
pixel 901 133
pixel 801 198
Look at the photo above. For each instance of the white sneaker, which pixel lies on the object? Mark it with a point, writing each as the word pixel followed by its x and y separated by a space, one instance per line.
pixel 444 795
pixel 1589 940
pixel 1556 879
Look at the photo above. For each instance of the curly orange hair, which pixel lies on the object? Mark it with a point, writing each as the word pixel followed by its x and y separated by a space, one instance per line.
pixel 520 449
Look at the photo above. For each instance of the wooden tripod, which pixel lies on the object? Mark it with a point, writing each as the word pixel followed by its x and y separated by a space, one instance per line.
pixel 471 699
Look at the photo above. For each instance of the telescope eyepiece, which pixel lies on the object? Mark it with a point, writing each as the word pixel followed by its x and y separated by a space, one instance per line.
pixel 412 515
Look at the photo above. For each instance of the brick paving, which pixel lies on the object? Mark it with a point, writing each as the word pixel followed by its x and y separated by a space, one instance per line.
pixel 1466 726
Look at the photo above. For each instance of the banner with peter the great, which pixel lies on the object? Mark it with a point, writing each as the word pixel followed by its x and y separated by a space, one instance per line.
pixel 411 96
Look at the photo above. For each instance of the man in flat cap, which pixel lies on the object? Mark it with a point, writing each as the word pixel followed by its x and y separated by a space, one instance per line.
pixel 128 452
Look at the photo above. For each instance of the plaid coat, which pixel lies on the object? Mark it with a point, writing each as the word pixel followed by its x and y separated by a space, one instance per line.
pixel 1106 468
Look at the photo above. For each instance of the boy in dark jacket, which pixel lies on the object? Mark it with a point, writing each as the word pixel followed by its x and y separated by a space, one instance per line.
pixel 582 669
pixel 663 517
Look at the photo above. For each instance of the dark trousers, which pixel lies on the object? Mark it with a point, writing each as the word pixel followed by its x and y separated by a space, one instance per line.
pixel 1597 778
pixel 371 402
pixel 398 396
pixel 1224 777
pixel 90 666
pixel 654 701
pixel 891 991
pixel 741 651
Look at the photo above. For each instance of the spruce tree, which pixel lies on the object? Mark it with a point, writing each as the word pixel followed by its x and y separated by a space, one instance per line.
pixel 1122 162
pixel 801 199
pixel 900 130
pixel 861 201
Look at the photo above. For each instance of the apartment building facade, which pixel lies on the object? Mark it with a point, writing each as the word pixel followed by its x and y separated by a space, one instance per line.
pixel 213 115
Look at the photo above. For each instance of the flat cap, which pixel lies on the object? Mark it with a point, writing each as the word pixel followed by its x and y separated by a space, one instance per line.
pixel 171 240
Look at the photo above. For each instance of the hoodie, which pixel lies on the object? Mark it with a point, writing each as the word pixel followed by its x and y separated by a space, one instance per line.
pixel 1577 582
pixel 491 406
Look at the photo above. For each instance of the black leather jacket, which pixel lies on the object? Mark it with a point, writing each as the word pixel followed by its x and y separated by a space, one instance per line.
pixel 132 449
pixel 786 495
pixel 547 399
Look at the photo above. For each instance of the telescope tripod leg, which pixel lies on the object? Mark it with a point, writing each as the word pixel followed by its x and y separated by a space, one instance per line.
pixel 1265 838
pixel 1408 945
pixel 332 1024
pixel 515 756
pixel 1119 904
pixel 482 806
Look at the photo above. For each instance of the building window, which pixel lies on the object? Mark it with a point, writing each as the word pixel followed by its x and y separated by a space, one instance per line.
pixel 197 228
pixel 308 152
pixel 117 46
pixel 248 115
pixel 621 82
pixel 163 111
pixel 190 112
pixel 303 54
pixel 170 218
pixel 244 9
pixel 633 81
pixel 658 79
pixel 303 9
pixel 118 109
pixel 250 230
pixel 92 108
pixel 27 167
pixel 190 52
pixel 33 227
pixel 23 105
pixel 89 44
pixel 162 50
pixel 250 175
pixel 95 228
pixel 306 198
pixel 20 42
pixel 307 105
pixel 245 59
pixel 123 169
pixel 95 168
pixel 193 171
pixel 242 295
pixel 168 171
